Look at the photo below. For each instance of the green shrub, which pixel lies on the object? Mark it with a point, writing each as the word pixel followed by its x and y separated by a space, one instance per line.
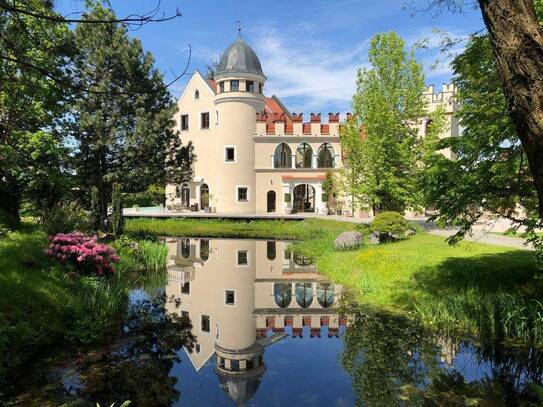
pixel 288 197
pixel 143 199
pixel 65 217
pixel 392 223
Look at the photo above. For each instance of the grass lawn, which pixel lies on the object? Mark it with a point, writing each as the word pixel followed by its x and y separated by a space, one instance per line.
pixel 479 289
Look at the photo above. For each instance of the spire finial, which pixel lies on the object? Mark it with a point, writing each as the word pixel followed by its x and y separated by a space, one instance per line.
pixel 239 28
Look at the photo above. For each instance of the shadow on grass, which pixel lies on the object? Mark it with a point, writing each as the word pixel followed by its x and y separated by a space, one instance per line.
pixel 496 296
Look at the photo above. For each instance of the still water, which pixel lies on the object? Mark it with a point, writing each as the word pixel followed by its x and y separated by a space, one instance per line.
pixel 250 322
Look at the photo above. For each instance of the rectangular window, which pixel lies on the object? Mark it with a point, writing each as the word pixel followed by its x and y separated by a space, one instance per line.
pixel 185 288
pixel 221 86
pixel 243 195
pixel 234 86
pixel 234 365
pixel 217 118
pixel 205 120
pixel 259 88
pixel 184 122
pixel 185 314
pixel 250 85
pixel 229 297
pixel 229 154
pixel 205 323
pixel 243 258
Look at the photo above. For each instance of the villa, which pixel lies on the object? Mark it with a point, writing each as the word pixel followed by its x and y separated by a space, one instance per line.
pixel 253 156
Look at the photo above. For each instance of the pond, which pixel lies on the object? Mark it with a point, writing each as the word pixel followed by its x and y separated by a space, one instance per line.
pixel 251 322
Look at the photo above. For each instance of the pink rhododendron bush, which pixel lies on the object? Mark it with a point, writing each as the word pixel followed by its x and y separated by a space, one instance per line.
pixel 83 252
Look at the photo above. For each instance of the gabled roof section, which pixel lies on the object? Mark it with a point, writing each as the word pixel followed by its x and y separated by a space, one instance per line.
pixel 198 76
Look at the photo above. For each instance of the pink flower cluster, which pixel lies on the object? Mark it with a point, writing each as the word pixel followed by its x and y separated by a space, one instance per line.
pixel 88 256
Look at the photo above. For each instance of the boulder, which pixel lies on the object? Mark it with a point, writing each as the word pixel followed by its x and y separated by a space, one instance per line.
pixel 348 241
pixel 377 237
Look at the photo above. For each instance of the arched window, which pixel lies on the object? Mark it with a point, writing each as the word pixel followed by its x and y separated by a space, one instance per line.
pixel 271 250
pixel 282 157
pixel 427 127
pixel 325 294
pixel 304 156
pixel 282 294
pixel 304 294
pixel 204 249
pixel 196 94
pixel 325 156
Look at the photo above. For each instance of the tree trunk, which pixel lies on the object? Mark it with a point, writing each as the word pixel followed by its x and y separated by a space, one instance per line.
pixel 517 40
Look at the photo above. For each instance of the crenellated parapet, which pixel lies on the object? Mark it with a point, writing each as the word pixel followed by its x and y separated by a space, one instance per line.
pixel 446 98
pixel 279 124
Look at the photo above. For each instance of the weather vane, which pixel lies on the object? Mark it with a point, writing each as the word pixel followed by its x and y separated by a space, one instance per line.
pixel 239 28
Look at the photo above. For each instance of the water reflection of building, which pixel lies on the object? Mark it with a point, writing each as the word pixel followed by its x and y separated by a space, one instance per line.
pixel 243 295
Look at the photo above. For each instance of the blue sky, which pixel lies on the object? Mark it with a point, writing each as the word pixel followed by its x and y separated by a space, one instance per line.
pixel 310 50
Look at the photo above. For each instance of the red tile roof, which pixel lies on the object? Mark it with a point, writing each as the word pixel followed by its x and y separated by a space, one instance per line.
pixel 212 84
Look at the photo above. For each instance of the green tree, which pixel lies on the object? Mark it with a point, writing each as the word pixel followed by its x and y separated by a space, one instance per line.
pixel 33 56
pixel 388 103
pixel 516 36
pixel 117 219
pixel 122 122
pixel 491 172
pixel 329 189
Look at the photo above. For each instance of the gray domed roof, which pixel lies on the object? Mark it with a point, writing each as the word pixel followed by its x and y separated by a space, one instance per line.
pixel 239 58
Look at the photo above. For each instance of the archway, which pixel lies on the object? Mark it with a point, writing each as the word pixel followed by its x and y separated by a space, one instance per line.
pixel 270 199
pixel 325 156
pixel 204 196
pixel 304 294
pixel 304 156
pixel 282 157
pixel 282 294
pixel 303 198
pixel 325 294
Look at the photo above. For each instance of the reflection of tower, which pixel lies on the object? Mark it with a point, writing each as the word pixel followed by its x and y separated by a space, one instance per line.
pixel 240 296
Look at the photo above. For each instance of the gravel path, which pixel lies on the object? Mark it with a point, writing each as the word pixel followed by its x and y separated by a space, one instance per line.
pixel 487 238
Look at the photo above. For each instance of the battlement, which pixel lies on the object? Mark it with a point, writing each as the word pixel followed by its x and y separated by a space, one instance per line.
pixel 279 124
pixel 446 95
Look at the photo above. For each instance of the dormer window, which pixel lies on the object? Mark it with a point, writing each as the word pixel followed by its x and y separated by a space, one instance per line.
pixel 196 94
pixel 234 86
pixel 250 86
pixel 221 87
pixel 259 88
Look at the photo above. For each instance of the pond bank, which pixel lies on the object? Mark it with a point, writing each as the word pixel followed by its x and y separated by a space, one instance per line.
pixel 482 290
pixel 45 306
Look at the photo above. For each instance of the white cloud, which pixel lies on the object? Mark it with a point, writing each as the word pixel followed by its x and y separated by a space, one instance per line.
pixel 308 76
pixel 316 75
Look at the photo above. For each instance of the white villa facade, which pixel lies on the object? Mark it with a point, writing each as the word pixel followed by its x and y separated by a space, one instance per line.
pixel 253 156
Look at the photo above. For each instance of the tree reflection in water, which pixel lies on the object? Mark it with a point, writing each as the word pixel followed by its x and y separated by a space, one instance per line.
pixel 136 367
pixel 139 370
pixel 392 361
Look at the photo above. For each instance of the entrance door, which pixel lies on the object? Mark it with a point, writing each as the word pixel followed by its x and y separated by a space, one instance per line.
pixel 185 196
pixel 271 201
pixel 303 198
pixel 204 196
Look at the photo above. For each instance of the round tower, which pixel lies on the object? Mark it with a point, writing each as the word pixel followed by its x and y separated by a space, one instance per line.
pixel 239 97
